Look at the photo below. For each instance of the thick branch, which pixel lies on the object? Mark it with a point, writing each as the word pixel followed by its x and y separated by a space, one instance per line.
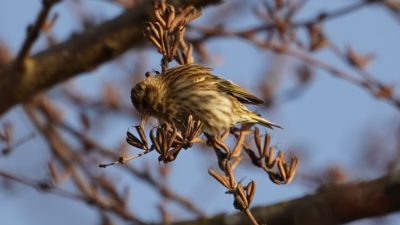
pixel 80 53
pixel 330 205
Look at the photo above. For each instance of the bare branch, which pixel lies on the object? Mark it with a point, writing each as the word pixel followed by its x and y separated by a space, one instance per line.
pixel 330 205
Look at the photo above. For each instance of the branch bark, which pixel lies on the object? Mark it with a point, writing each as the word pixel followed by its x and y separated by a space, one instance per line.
pixel 78 54
pixel 334 204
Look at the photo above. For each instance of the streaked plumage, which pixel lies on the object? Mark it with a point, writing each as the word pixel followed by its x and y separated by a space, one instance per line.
pixel 193 89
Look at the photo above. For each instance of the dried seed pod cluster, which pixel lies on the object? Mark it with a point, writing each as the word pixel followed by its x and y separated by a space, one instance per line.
pixel 167 31
pixel 166 140
pixel 279 171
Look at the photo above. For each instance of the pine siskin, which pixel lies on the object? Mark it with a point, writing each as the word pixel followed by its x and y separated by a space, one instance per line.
pixel 192 89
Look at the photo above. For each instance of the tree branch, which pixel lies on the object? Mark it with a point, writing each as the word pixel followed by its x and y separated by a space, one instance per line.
pixel 334 204
pixel 78 54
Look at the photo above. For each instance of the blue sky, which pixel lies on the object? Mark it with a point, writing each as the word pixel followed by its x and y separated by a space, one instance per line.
pixel 329 119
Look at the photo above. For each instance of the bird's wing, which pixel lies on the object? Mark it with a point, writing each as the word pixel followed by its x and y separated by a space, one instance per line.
pixel 192 71
pixel 243 95
pixel 202 76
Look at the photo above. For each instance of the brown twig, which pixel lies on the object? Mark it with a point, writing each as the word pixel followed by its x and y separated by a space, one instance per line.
pixel 325 16
pixel 33 31
pixel 373 86
pixel 40 185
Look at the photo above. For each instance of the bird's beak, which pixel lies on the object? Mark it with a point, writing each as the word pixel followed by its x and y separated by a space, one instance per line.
pixel 143 119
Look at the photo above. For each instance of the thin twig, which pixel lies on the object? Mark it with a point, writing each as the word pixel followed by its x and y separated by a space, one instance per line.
pixel 33 31
pixel 251 217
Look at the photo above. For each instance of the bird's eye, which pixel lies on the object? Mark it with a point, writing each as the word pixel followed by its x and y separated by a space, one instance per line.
pixel 148 74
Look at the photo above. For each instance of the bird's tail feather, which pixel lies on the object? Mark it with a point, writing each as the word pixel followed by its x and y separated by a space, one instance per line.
pixel 265 122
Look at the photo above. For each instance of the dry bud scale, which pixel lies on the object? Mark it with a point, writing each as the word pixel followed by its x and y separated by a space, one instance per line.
pixel 193 89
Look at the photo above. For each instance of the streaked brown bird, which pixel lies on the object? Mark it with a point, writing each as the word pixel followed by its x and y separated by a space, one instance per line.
pixel 193 89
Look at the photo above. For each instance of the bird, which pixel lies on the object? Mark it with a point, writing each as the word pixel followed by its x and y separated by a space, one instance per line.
pixel 192 89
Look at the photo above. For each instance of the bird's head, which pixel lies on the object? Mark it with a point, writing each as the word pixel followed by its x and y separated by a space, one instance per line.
pixel 145 95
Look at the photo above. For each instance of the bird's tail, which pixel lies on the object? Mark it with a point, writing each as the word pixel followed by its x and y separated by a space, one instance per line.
pixel 264 122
